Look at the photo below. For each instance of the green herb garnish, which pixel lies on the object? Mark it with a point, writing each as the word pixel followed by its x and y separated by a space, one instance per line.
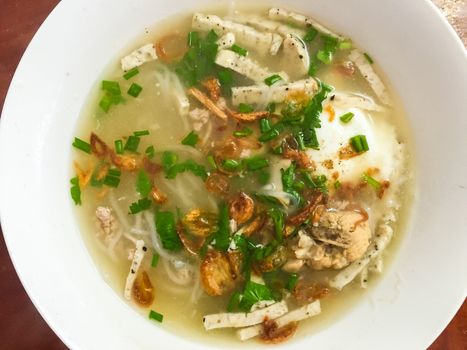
pixel 165 224
pixel 153 315
pixel 371 181
pixel 132 143
pixel 75 190
pixel 82 145
pixel 118 146
pixel 256 163
pixel 155 259
pixel 231 165
pixel 240 50
pixel 243 132
pixel 143 184
pixel 272 79
pixel 245 108
pixel 134 90
pixel 368 58
pixel 150 152
pixel 347 117
pixel 131 73
pixel 310 35
pixel 359 143
pixel 191 139
pixel 292 282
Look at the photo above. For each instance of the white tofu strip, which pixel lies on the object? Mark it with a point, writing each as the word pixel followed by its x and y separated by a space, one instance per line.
pixel 376 265
pixel 351 100
pixel 296 54
pixel 380 241
pixel 135 264
pixel 245 66
pixel 235 320
pixel 262 304
pixel 275 93
pixel 364 278
pixel 279 14
pixel 244 35
pixel 267 25
pixel 226 41
pixel 296 315
pixel 370 75
pixel 142 55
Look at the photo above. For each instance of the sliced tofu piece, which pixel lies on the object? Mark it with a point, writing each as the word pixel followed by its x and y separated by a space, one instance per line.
pixel 380 242
pixel 142 55
pixel 226 41
pixel 267 25
pixel 370 75
pixel 296 55
pixel 235 320
pixel 244 35
pixel 258 94
pixel 279 14
pixel 135 264
pixel 346 100
pixel 245 66
pixel 296 315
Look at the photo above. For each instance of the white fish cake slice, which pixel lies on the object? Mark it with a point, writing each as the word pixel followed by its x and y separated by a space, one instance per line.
pixel 244 35
pixel 146 53
pixel 256 94
pixel 226 41
pixel 245 66
pixel 267 25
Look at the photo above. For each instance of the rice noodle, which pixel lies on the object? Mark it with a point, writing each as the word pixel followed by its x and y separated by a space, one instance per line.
pixel 175 274
pixel 120 216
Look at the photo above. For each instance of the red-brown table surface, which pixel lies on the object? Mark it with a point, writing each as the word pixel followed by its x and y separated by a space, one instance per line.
pixel 21 326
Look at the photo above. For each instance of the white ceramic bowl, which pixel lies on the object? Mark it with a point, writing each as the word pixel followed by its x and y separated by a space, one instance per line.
pixel 426 64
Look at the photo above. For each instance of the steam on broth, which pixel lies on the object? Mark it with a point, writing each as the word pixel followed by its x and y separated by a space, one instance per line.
pixel 241 174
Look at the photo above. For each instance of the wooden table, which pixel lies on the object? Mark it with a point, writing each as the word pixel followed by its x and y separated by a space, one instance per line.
pixel 21 326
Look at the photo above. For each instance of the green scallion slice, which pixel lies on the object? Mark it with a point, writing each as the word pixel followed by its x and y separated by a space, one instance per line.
pixel 155 259
pixel 264 125
pixel 272 79
pixel 140 205
pixel 231 165
pixel 112 87
pixel 368 58
pixel 134 90
pixel 111 181
pixel 324 56
pixel 118 146
pixel 271 107
pixel 141 133
pixel 153 315
pixel 292 281
pixel 256 163
pixel 371 181
pixel 131 73
pixel 211 161
pixel 191 139
pixel 240 50
pixel 347 117
pixel 143 184
pixel 105 102
pixel 193 39
pixel 269 135
pixel 359 143
pixel 132 143
pixel 150 152
pixel 310 35
pixel 337 184
pixel 245 108
pixel 243 132
pixel 75 190
pixel 82 145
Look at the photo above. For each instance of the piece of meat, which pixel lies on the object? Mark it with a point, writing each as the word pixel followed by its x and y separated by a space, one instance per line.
pixel 107 223
pixel 293 265
pixel 200 117
pixel 216 274
pixel 241 208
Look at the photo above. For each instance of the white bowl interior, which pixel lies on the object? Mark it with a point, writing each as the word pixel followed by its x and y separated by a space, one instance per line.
pixel 411 42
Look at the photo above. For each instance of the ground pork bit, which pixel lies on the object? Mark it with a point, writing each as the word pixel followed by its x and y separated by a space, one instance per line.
pixel 341 237
pixel 200 116
pixel 106 222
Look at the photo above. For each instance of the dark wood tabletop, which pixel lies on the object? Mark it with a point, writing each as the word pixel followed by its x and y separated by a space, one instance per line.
pixel 21 326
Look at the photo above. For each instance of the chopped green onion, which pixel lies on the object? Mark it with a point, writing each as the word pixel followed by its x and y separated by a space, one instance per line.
pixel 298 185
pixel 292 281
pixel 168 160
pixel 337 184
pixel 324 56
pixel 114 172
pixel 134 90
pixel 243 132
pixel 231 164
pixel 150 152
pixel 111 181
pixel 155 259
pixel 193 39
pixel 264 125
pixel 234 301
pixel 82 145
pixel 271 107
pixel 225 77
pixel 212 36
pixel 166 228
pixel 118 146
pixel 277 216
pixel 132 143
pixel 211 161
pixel 269 135
pixel 359 143
pixel 131 73
pixel 75 191
pixel 310 35
pixel 347 117
pixel 153 315
pixel 245 108
pixel 240 50
pixel 140 205
pixel 368 58
pixel 112 87
pixel 141 133
pixel 278 149
pixel 272 79
pixel 143 184
pixel 371 181
pixel 105 102
pixel 191 139
pixel 345 45
pixel 188 165
pixel 256 163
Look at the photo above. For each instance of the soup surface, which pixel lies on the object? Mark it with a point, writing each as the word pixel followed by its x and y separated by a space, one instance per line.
pixel 242 173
